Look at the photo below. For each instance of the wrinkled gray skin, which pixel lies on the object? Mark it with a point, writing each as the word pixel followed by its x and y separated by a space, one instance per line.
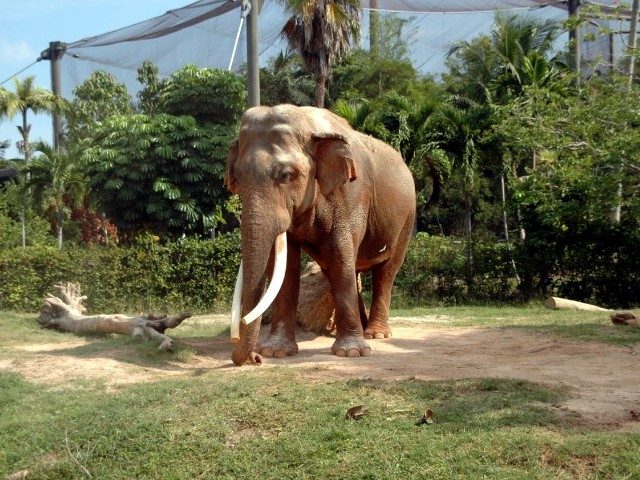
pixel 345 198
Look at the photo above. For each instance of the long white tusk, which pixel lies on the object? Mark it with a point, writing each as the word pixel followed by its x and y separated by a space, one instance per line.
pixel 277 277
pixel 236 305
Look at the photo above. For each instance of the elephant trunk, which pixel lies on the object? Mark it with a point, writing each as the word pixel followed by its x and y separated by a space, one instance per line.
pixel 256 254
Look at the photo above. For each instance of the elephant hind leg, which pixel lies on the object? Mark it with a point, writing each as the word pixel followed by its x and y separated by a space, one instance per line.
pixel 383 276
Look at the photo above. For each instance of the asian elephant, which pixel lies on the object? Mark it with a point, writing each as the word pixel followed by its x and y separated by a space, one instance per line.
pixel 309 182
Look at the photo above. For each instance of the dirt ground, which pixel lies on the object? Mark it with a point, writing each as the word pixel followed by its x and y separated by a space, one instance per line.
pixel 601 381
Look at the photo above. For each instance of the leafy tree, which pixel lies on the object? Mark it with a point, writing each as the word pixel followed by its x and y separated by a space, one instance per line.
pixel 284 80
pixel 207 94
pixel 160 172
pixel 56 182
pixel 149 97
pixel 362 75
pixel 320 31
pixel 26 98
pixel 95 100
pixel 395 36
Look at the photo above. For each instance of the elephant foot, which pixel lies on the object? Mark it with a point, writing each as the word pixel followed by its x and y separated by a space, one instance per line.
pixel 278 347
pixel 377 330
pixel 351 346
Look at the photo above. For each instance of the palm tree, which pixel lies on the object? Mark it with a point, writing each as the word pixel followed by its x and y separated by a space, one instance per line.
pixel 516 54
pixel 461 126
pixel 56 183
pixel 321 31
pixel 408 125
pixel 284 80
pixel 27 97
pixel 3 148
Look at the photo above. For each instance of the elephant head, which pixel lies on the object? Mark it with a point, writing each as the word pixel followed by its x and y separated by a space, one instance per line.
pixel 284 158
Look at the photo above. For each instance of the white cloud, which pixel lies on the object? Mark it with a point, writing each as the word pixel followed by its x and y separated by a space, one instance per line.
pixel 16 52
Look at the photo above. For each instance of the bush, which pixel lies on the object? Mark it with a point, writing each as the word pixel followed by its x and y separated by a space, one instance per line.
pixel 199 275
pixel 437 269
pixel 594 262
pixel 195 275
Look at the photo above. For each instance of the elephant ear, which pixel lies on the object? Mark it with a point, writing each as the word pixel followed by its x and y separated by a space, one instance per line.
pixel 229 178
pixel 334 162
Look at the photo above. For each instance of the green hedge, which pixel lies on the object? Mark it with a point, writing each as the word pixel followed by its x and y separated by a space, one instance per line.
pixel 437 269
pixel 198 275
pixel 194 275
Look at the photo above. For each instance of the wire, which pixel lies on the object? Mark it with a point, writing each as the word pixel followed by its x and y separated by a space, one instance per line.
pixel 18 73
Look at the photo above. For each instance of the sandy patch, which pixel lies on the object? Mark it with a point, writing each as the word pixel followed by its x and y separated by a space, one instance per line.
pixel 601 380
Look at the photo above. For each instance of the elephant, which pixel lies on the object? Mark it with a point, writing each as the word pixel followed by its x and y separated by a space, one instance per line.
pixel 309 182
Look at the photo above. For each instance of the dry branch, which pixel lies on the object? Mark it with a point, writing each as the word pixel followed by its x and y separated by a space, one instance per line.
pixel 557 303
pixel 67 312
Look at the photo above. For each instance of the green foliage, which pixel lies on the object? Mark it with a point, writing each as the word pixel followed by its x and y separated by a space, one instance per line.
pixel 149 96
pixel 516 54
pixel 37 229
pixel 96 99
pixel 56 182
pixel 394 36
pixel 363 75
pixel 284 80
pixel 160 172
pixel 436 270
pixel 197 275
pixel 209 95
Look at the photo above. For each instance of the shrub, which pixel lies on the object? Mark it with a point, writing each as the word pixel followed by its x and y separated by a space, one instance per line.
pixel 437 269
pixel 196 275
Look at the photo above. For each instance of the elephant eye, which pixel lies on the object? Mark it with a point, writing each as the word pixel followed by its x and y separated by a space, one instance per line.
pixel 285 176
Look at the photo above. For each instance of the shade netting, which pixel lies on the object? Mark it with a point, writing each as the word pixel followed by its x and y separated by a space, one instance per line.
pixel 204 33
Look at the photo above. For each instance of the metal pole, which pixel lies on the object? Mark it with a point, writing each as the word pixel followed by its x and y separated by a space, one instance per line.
pixel 56 51
pixel 253 50
pixel 574 36
pixel 633 36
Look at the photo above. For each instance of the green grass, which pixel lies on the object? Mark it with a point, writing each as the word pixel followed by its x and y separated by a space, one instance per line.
pixel 238 426
pixel 592 326
pixel 234 424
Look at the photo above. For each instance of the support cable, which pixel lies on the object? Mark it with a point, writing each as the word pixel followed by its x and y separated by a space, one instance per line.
pixel 19 72
pixel 246 8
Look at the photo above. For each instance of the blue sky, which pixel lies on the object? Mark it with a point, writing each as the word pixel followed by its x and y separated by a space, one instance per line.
pixel 27 27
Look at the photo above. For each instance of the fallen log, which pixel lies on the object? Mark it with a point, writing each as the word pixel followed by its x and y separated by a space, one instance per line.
pixel 316 310
pixel 66 312
pixel 557 303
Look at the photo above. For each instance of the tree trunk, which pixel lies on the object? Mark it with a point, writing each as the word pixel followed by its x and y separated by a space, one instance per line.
pixel 633 35
pixel 66 312
pixel 468 228
pixel 59 229
pixel 573 7
pixel 320 91
pixel 23 229
pixel 25 137
pixel 506 226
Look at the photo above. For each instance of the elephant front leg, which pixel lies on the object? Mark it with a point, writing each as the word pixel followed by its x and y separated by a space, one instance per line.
pixel 281 340
pixel 350 341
